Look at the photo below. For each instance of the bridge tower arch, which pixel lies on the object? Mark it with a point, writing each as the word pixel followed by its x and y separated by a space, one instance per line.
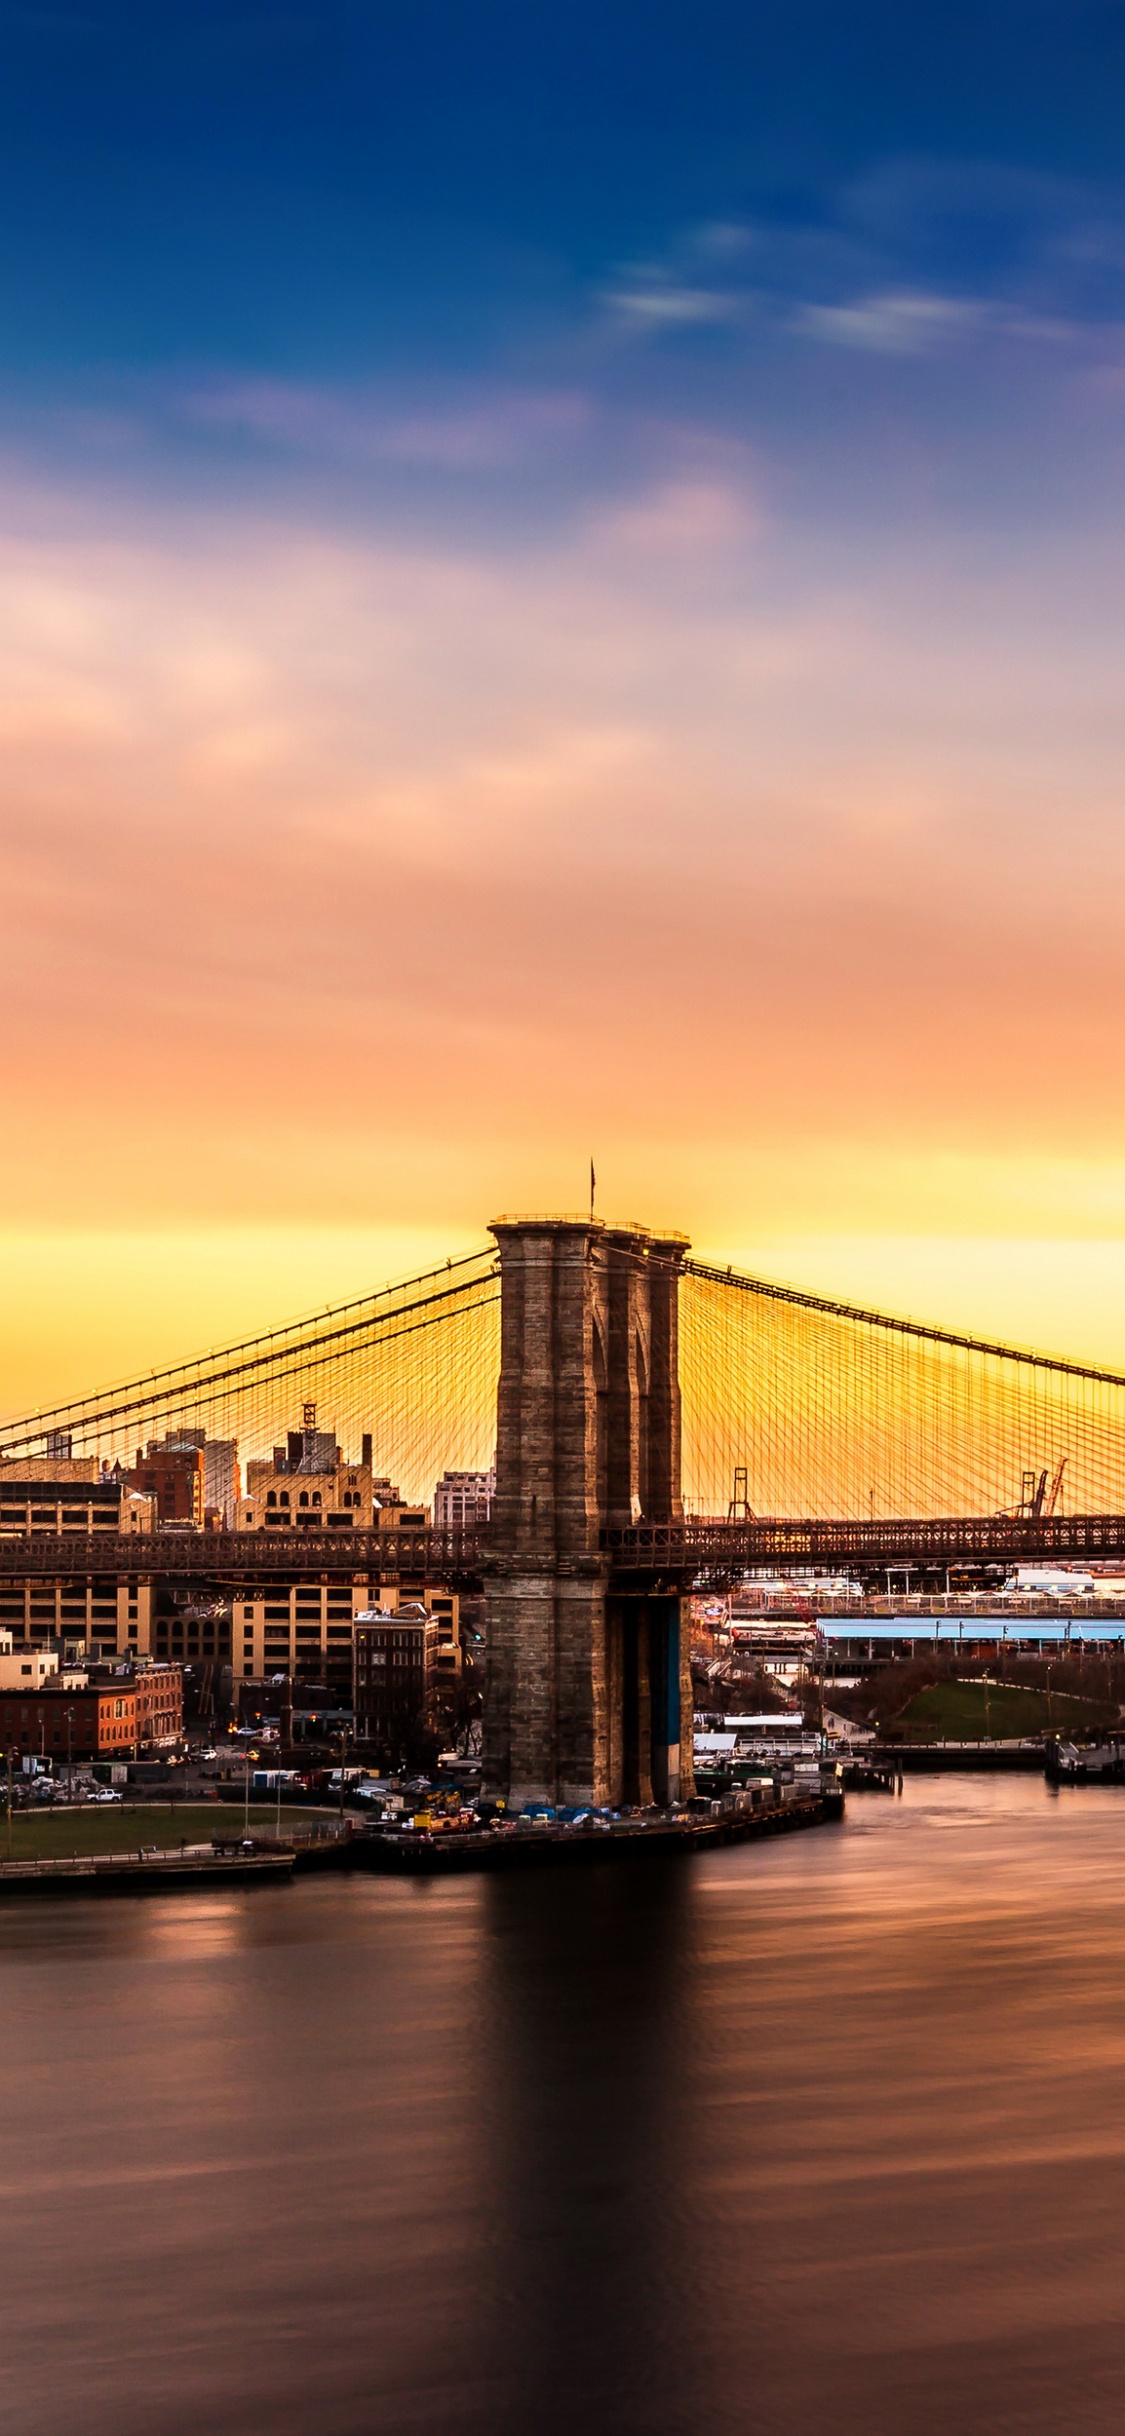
pixel 588 1694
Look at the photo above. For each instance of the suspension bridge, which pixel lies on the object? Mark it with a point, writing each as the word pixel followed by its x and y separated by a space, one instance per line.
pixel 655 1424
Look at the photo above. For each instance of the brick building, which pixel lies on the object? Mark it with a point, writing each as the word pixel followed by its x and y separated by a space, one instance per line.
pixel 160 1707
pixel 192 1478
pixel 172 1471
pixel 114 1717
pixel 401 1656
pixel 306 1629
pixel 99 1722
pixel 73 1499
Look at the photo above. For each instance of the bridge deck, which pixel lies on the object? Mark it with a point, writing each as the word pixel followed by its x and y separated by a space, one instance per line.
pixel 679 1554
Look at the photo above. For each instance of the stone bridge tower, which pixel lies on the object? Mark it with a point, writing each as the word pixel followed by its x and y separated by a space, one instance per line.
pixel 588 1685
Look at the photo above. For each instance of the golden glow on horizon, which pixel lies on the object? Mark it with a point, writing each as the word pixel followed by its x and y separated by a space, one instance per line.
pixel 829 1413
pixel 357 890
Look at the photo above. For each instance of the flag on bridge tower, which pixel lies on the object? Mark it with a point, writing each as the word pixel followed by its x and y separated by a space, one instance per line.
pixel 593 1183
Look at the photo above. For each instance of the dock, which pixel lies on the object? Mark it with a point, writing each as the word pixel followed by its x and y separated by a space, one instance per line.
pixel 144 1873
pixel 546 1846
pixel 934 1756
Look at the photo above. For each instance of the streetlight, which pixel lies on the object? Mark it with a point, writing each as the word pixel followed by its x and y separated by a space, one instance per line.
pixel 70 1755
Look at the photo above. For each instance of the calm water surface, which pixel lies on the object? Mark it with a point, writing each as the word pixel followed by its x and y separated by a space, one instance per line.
pixel 822 2134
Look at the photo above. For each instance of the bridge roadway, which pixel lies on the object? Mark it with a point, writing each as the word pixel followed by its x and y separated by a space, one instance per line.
pixel 647 1556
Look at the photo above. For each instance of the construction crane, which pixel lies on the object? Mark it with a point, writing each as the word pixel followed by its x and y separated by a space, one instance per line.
pixel 1037 1504
pixel 1056 1485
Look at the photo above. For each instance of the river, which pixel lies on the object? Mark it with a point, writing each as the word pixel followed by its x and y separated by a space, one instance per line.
pixel 826 2133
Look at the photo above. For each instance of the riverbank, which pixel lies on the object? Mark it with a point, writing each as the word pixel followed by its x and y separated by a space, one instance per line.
pixel 533 1847
pixel 77 1832
pixel 229 1858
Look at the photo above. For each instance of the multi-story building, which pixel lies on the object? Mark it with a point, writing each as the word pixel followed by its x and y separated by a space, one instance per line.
pixel 391 1676
pixel 158 1691
pixel 404 1653
pixel 24 1666
pixel 107 1613
pixel 115 1713
pixel 338 1500
pixel 462 1499
pixel 306 1629
pixel 171 1471
pixel 222 1482
pixel 193 1478
pixel 74 1499
pixel 83 1503
pixel 91 1722
pixel 188 1627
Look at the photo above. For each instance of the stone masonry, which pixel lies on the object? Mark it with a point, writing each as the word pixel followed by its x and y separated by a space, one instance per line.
pixel 588 1694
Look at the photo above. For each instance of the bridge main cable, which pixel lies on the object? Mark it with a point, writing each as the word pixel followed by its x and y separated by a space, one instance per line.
pixel 742 1283
pixel 280 1352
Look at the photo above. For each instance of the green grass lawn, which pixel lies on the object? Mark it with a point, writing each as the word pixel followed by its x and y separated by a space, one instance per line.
pixel 52 1835
pixel 970 1712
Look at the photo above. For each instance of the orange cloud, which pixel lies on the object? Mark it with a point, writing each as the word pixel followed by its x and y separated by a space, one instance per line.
pixel 360 884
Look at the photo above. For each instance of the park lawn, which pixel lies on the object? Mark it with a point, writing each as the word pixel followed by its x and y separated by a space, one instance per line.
pixel 53 1835
pixel 1007 1712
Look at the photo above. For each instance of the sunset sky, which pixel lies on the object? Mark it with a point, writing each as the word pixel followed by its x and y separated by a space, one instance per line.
pixel 562 591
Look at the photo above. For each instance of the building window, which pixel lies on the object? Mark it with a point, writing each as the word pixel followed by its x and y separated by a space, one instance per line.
pixel 316 1497
pixel 285 1497
pixel 271 1497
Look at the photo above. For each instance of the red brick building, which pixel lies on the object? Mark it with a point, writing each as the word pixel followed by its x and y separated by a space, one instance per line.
pixel 160 1706
pixel 101 1721
pixel 114 1718
pixel 172 1472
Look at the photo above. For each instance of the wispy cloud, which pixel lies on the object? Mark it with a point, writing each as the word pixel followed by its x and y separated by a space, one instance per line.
pixel 291 808
pixel 649 296
pixel 899 323
pixel 1039 261
pixel 483 433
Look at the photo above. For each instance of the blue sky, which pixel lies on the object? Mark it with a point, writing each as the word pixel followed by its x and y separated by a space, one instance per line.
pixel 762 218
pixel 561 581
